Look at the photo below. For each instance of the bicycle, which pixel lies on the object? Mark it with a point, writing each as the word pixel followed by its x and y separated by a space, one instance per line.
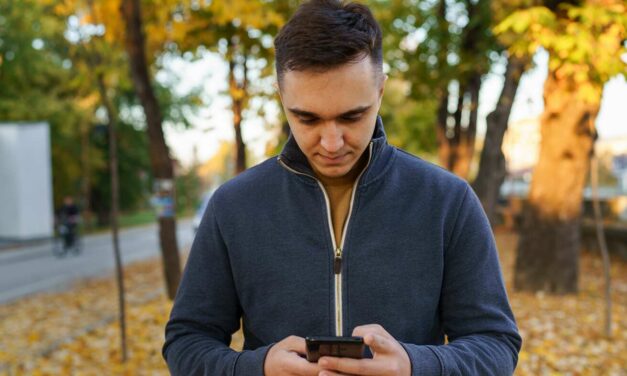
pixel 67 239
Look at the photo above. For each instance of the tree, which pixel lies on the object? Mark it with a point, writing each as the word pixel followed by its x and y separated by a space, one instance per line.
pixel 476 42
pixel 94 61
pixel 101 19
pixel 241 32
pixel 436 47
pixel 408 121
pixel 492 169
pixel 407 111
pixel 463 56
pixel 39 83
pixel 42 62
pixel 585 41
pixel 159 153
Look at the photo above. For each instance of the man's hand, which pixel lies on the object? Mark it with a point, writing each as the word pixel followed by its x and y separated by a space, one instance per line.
pixel 390 358
pixel 287 358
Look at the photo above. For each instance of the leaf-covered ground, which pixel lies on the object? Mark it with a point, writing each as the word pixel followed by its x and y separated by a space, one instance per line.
pixel 76 332
pixel 564 335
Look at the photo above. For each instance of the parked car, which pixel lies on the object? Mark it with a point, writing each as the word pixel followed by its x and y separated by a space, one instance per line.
pixel 201 209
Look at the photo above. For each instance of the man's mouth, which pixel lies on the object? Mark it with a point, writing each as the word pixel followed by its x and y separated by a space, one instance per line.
pixel 333 159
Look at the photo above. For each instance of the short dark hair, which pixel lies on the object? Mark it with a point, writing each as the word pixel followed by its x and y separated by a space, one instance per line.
pixel 324 34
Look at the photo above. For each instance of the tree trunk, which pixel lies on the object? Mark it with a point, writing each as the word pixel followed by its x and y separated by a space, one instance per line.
pixel 159 153
pixel 444 147
pixel 492 163
pixel 469 79
pixel 548 251
pixel 113 167
pixel 442 37
pixel 238 93
pixel 598 222
pixel 465 147
pixel 456 141
pixel 457 135
pixel 86 175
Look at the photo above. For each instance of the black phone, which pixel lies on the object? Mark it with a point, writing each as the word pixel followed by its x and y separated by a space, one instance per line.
pixel 345 347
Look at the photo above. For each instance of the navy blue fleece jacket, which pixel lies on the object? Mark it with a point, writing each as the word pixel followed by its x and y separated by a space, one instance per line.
pixel 418 258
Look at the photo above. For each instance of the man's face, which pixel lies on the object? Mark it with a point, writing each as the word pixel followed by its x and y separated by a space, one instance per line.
pixel 332 115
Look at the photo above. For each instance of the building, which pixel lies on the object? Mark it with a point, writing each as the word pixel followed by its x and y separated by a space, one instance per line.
pixel 26 203
pixel 613 153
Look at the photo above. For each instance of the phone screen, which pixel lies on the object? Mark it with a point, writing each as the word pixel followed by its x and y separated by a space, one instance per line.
pixel 344 347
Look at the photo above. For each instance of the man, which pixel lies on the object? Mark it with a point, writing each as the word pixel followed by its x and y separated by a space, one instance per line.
pixel 341 235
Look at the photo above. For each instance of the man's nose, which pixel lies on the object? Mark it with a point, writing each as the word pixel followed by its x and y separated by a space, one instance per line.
pixel 331 138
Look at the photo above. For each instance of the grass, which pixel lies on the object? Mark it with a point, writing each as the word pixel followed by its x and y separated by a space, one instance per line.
pixel 134 219
pixel 137 218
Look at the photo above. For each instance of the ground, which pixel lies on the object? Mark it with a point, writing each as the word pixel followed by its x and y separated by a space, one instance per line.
pixel 76 332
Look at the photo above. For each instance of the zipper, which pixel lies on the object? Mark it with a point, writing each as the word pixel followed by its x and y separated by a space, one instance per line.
pixel 337 256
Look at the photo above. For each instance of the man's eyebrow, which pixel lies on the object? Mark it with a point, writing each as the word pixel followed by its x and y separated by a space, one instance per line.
pixel 354 111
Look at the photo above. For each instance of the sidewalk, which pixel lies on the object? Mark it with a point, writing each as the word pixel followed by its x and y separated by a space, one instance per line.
pixel 12 251
pixel 12 244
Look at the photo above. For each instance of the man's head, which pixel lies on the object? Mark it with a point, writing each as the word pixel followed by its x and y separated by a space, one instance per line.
pixel 330 75
pixel 325 34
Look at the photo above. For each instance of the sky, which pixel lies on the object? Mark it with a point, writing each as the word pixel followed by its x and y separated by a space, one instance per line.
pixel 213 123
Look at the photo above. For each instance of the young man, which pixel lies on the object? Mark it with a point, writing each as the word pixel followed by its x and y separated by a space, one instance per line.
pixel 341 234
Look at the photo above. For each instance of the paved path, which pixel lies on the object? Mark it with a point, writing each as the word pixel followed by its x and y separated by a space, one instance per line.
pixel 32 269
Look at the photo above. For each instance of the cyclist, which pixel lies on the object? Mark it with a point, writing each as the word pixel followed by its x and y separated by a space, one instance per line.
pixel 68 217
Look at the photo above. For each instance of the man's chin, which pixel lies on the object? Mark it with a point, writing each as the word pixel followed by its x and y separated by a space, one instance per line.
pixel 332 172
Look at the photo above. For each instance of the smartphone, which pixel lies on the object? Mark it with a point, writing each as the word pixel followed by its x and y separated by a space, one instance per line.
pixel 345 347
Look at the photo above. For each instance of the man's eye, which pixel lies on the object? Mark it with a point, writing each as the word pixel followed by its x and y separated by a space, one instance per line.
pixel 308 120
pixel 350 119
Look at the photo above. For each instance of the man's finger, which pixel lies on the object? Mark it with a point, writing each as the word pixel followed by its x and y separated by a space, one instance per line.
pixel 331 373
pixel 363 330
pixel 352 366
pixel 300 366
pixel 379 344
pixel 296 344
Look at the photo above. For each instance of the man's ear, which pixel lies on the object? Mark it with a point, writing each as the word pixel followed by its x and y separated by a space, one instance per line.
pixel 383 81
pixel 276 87
pixel 382 88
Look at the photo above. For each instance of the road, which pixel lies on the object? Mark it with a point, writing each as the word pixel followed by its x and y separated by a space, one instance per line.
pixel 32 269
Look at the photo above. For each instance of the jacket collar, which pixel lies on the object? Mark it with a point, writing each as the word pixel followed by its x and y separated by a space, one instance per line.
pixel 295 159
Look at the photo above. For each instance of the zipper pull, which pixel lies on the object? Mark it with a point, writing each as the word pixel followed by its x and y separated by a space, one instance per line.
pixel 337 261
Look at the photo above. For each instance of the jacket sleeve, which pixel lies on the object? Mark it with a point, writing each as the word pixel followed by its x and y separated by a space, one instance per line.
pixel 477 319
pixel 206 313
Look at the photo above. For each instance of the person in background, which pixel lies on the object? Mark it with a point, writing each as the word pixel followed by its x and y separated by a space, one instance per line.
pixel 68 217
